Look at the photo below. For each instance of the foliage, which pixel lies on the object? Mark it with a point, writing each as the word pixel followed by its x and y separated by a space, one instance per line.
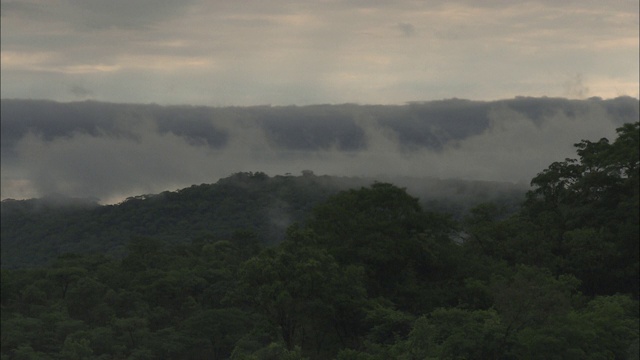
pixel 34 232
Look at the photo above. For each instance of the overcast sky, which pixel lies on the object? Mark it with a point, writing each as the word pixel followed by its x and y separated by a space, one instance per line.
pixel 308 52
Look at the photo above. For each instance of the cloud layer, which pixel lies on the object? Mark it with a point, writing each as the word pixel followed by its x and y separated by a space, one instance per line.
pixel 111 151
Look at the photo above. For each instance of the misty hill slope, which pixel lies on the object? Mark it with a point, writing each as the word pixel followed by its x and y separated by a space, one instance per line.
pixel 34 232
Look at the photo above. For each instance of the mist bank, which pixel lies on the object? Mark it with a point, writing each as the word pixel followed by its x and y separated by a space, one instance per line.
pixel 112 151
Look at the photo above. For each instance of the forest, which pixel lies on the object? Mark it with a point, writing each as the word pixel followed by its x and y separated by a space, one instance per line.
pixel 363 272
pixel 35 231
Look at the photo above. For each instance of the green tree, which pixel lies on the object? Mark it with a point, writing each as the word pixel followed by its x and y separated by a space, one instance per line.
pixel 76 347
pixel 64 277
pixel 607 328
pixel 85 302
pixel 26 352
pixel 214 333
pixel 302 291
pixel 384 230
pixel 455 334
pixel 596 194
pixel 531 297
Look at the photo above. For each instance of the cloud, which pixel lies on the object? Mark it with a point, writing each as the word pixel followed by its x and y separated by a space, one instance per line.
pixel 111 151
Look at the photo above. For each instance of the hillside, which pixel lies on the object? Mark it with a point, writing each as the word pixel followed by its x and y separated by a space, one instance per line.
pixel 35 231
pixel 369 275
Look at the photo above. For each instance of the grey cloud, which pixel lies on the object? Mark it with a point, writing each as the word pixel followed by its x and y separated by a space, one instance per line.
pixel 311 127
pixel 51 120
pixel 103 167
pixel 195 124
pixel 110 151
pixel 448 120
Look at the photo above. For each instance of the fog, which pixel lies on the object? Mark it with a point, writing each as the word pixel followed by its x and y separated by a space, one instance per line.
pixel 111 151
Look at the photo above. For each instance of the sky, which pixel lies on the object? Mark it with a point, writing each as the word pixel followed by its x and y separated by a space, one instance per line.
pixel 282 52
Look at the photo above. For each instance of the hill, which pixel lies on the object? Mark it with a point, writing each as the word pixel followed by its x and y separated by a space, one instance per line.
pixel 370 274
pixel 35 231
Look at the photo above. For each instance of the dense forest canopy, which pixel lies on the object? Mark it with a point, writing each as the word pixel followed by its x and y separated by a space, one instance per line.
pixel 35 231
pixel 368 273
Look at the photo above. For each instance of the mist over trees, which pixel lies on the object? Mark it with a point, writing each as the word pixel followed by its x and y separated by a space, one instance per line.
pixel 369 273
pixel 112 151
pixel 35 231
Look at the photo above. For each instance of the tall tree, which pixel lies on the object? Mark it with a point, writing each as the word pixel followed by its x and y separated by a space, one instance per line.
pixel 400 246
pixel 577 200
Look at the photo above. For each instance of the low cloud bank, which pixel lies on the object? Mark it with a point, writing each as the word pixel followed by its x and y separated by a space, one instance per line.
pixel 112 151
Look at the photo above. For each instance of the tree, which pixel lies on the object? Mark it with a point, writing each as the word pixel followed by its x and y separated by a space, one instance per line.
pixel 606 328
pixel 65 276
pixel 85 302
pixel 301 290
pixel 384 230
pixel 597 193
pixel 455 333
pixel 214 333
pixel 530 297
pixel 76 348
